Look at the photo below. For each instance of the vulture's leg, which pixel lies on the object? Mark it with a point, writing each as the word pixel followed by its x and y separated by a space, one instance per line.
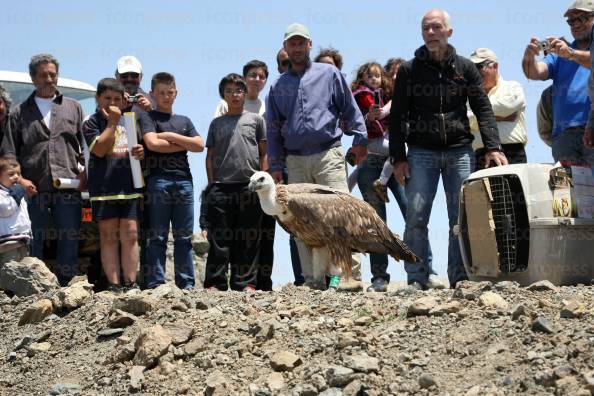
pixel 321 258
pixel 305 258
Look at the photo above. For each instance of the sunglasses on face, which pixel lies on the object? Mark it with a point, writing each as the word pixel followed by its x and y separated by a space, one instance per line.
pixel 581 19
pixel 482 65
pixel 127 76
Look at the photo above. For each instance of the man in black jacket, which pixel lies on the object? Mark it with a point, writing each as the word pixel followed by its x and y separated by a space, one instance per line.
pixel 429 114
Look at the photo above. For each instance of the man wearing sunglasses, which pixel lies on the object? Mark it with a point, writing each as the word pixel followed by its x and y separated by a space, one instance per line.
pixel 568 65
pixel 129 73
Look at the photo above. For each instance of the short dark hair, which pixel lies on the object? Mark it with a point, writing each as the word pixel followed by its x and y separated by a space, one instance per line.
pixel 231 78
pixel 253 64
pixel 109 84
pixel 332 53
pixel 393 61
pixel 162 78
pixel 41 59
pixel 7 162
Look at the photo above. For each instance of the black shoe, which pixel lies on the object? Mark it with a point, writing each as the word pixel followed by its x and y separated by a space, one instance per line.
pixel 379 285
pixel 130 287
pixel 115 289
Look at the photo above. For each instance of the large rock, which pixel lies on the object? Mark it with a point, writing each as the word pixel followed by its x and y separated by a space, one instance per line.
pixel 27 277
pixel 36 312
pixel 543 285
pixel 73 296
pixel 151 344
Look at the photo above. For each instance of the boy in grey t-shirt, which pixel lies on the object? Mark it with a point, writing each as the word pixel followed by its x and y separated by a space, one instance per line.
pixel 236 146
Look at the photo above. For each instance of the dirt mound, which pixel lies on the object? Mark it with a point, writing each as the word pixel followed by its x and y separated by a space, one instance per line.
pixel 475 340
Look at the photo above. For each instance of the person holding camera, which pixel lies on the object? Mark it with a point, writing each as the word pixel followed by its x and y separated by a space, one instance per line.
pixel 129 74
pixel 568 65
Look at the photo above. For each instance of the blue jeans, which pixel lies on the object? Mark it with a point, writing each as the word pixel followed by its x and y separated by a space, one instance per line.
pixel 454 165
pixel 568 146
pixel 63 209
pixel 171 199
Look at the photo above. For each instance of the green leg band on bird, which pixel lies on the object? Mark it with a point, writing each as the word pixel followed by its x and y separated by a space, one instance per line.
pixel 334 281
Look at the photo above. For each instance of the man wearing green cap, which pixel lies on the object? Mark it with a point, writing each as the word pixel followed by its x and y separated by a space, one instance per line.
pixel 307 110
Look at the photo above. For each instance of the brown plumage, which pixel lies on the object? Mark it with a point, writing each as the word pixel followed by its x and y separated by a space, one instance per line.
pixel 325 217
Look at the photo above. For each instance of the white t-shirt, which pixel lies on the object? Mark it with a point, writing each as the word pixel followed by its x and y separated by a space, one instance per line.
pixel 45 108
pixel 250 105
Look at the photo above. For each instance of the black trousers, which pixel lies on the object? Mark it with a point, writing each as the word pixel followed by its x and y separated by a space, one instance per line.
pixel 264 281
pixel 234 219
pixel 514 152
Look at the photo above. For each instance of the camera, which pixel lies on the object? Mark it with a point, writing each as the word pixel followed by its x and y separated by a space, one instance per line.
pixel 132 99
pixel 376 98
pixel 544 45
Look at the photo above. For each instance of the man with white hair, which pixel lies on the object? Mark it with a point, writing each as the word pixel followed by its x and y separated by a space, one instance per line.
pixel 508 102
pixel 429 114
pixel 129 73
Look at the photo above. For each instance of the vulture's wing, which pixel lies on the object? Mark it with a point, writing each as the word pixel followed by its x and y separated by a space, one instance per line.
pixel 336 215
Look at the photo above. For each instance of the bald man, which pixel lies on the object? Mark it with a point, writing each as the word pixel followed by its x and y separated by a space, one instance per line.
pixel 429 115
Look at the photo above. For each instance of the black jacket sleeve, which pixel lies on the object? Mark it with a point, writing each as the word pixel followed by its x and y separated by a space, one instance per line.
pixel 398 122
pixel 481 107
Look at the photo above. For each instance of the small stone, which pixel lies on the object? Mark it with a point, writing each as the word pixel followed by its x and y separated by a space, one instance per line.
pixel 426 381
pixel 104 381
pixel 151 344
pixel 589 378
pixel 331 392
pixel 38 311
pixel 73 297
pixel 363 321
pixel 543 325
pixel 493 300
pixel 447 308
pixel 136 375
pixel 362 363
pixel 38 347
pixel 345 322
pixel 355 388
pixel 216 384
pixel 275 382
pixel 284 361
pixel 563 371
pixel 195 346
pixel 65 389
pixel 305 390
pixel 338 376
pixel 180 334
pixel 543 285
pixel 124 353
pixel 106 333
pixel 347 339
pixel 519 311
pixel 119 318
pixel 138 304
pixel 12 356
pixel 421 306
pixel 23 342
pixel 202 305
pixel 545 378
pixel 573 310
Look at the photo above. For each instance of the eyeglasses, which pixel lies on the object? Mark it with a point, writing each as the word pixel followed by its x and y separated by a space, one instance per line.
pixel 127 76
pixel 238 91
pixel 484 64
pixel 581 19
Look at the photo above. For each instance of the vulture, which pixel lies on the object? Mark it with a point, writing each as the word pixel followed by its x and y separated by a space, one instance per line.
pixel 330 222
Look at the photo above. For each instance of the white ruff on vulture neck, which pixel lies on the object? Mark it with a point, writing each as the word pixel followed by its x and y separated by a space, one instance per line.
pixel 268 201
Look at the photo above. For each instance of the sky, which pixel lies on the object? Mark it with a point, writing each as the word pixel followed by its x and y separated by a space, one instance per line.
pixel 200 42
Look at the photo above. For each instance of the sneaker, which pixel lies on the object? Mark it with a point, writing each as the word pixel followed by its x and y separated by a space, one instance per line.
pixel 351 285
pixel 249 289
pixel 435 283
pixel 131 288
pixel 115 289
pixel 379 285
pixel 381 191
pixel 414 286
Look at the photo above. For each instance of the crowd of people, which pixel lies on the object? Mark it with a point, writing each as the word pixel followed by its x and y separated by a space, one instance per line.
pixel 439 114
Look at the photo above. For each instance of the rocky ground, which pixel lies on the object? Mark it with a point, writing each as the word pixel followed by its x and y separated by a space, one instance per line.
pixel 478 339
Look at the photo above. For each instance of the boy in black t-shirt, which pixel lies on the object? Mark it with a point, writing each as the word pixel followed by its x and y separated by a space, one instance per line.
pixel 114 199
pixel 168 138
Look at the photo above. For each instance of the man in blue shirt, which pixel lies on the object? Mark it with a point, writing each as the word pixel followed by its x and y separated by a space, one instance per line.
pixel 307 110
pixel 568 65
